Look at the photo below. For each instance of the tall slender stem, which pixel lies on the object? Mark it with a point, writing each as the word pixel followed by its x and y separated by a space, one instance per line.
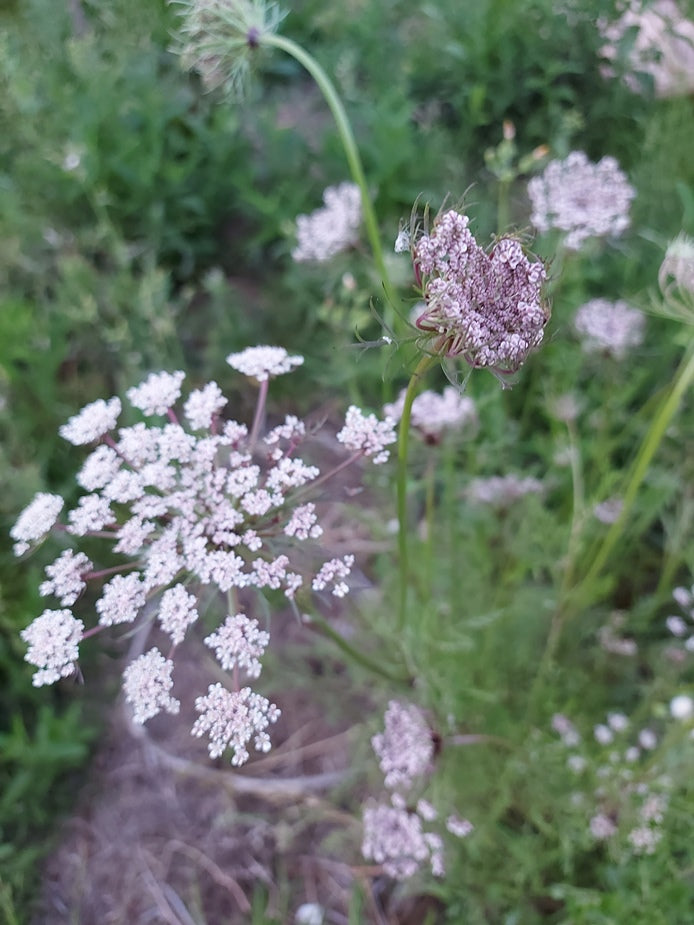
pixel 344 129
pixel 377 667
pixel 403 448
pixel 649 447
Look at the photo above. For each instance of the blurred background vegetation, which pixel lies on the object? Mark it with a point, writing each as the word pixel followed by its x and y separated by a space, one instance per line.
pixel 146 226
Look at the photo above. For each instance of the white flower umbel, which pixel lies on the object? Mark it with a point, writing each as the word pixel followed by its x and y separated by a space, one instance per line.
pixel 502 490
pixel 231 719
pixel 36 521
pixel 263 363
pixel 53 645
pixel 147 682
pixel 432 414
pixel 581 199
pixel 332 229
pixel 219 508
pixel 394 837
pixel 613 328
pixel 405 748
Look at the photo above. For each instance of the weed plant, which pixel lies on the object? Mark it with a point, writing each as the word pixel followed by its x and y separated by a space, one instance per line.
pixel 520 638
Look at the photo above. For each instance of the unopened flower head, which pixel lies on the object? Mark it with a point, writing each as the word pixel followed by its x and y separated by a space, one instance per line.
pixel 433 413
pixel 332 228
pixel 220 38
pixel 581 199
pixel 486 308
pixel 612 328
pixel 405 748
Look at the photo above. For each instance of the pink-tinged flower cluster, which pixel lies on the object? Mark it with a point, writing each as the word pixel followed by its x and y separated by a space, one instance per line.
pixel 432 413
pixel 186 507
pixel 484 307
pixel 627 792
pixel 661 46
pixel 581 199
pixel 405 748
pixel 397 835
pixel 612 328
pixel 331 229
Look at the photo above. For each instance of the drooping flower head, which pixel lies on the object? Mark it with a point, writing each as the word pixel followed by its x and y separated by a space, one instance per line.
pixel 484 307
pixel 581 199
pixel 220 37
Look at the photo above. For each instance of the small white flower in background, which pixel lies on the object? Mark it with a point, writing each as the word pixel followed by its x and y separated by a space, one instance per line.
pixel 365 433
pixel 53 640
pixel 603 734
pixel 36 521
pixel 617 721
pixel 394 838
pixel 263 363
pixel 648 739
pixel 459 827
pixel 663 46
pixel 432 414
pixel 609 327
pixel 562 725
pixel 405 748
pixel 602 827
pixel 611 638
pixel 581 199
pixel 93 421
pixel 501 490
pixel 608 511
pixel 331 229
pixel 677 268
pixel 644 839
pixel 309 914
pixel 682 707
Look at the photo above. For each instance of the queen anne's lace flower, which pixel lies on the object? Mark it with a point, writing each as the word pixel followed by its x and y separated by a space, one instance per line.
pixel 53 645
pixel 486 308
pixel 501 490
pixel 36 521
pixel 432 413
pixel 147 682
pixel 263 362
pixel 366 434
pixel 405 748
pixel 213 507
pixel 581 199
pixel 609 327
pixel 394 837
pixel 93 421
pixel 232 718
pixel 333 228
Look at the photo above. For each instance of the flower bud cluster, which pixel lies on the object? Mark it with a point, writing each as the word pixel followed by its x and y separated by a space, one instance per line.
pixel 188 502
pixel 485 308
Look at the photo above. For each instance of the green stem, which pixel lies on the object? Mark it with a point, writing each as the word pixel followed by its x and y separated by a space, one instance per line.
pixel 344 129
pixel 357 656
pixel 649 447
pixel 403 448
